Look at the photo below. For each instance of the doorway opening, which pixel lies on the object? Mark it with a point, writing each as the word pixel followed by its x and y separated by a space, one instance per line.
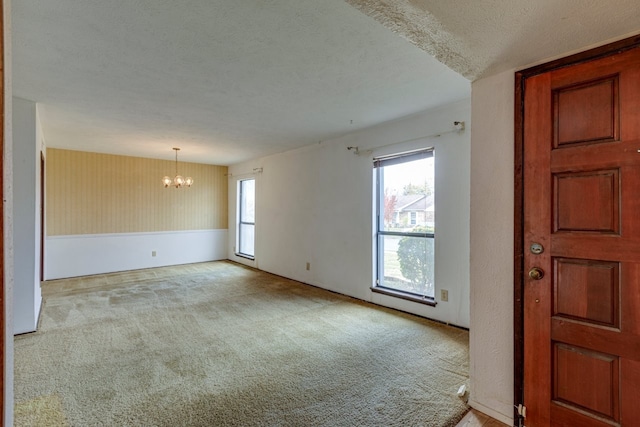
pixel 564 144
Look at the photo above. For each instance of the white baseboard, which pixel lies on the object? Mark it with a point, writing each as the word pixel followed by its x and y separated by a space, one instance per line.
pixel 83 255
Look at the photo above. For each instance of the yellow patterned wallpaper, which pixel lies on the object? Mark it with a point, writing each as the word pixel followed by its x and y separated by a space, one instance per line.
pixel 91 193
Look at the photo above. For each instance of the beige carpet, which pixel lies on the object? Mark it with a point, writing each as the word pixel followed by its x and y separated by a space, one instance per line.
pixel 218 344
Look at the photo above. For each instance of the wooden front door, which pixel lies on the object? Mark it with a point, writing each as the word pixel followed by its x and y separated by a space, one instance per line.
pixel 582 207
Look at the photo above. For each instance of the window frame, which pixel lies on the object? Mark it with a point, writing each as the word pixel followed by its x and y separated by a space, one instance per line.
pixel 241 222
pixel 379 163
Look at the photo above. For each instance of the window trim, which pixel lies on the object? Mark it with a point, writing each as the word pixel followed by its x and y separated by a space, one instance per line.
pixel 409 296
pixel 406 156
pixel 378 164
pixel 241 222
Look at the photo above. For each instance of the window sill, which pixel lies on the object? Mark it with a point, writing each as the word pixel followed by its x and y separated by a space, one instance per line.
pixel 405 295
pixel 252 258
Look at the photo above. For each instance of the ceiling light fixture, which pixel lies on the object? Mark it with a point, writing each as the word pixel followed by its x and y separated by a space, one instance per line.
pixel 177 181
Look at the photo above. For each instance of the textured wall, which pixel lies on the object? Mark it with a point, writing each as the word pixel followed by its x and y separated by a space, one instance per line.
pixel 491 337
pixel 90 193
pixel 27 145
pixel 6 253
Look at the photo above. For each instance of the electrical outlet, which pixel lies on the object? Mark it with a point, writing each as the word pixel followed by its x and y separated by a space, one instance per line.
pixel 153 253
pixel 444 295
pixel 308 266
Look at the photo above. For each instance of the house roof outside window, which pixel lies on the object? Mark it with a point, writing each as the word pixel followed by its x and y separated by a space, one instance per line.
pixel 414 202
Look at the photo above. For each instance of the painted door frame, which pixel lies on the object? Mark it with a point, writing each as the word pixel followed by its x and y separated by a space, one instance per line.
pixel 518 260
pixel 3 298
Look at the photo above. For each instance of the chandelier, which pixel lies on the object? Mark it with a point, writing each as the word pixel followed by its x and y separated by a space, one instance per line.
pixel 178 180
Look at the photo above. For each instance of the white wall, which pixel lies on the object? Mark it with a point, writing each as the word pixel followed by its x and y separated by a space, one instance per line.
pixel 27 145
pixel 82 255
pixel 315 204
pixel 7 196
pixel 492 204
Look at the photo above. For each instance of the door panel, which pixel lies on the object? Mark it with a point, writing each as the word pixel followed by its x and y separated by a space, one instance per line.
pixel 587 201
pixel 586 113
pixel 582 204
pixel 587 290
pixel 597 373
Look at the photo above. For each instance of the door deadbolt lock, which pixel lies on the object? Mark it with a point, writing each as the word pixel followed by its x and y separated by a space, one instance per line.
pixel 536 248
pixel 536 273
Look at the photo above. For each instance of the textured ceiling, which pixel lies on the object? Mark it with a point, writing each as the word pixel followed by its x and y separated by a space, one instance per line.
pixel 481 38
pixel 224 80
pixel 232 80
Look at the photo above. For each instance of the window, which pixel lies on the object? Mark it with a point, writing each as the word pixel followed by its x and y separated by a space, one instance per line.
pixel 405 225
pixel 246 218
